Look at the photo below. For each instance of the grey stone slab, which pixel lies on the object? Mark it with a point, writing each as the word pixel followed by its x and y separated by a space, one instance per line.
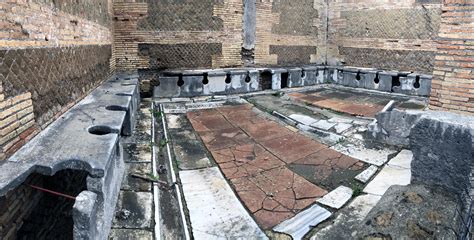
pixel 214 210
pixel 403 159
pixel 299 225
pixel 83 214
pixel 367 174
pixel 190 154
pixel 303 119
pixel 192 86
pixel 127 234
pixel 136 184
pixel 295 77
pixel 168 87
pixel 387 177
pixel 134 210
pixel 323 124
pixel 326 137
pixel 340 120
pixel 337 197
pixel 342 127
pixel 385 81
pixel 414 84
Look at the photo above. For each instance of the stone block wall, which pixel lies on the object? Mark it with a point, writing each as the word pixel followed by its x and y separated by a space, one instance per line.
pixel 52 53
pixel 453 76
pixel 384 34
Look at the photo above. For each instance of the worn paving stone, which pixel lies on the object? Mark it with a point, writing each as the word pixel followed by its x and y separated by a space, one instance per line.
pixel 337 197
pixel 214 210
pixel 126 234
pixel 367 174
pixel 258 155
pixel 342 127
pixel 292 147
pixel 133 183
pixel 323 124
pixel 134 210
pixel 328 168
pixel 388 176
pixel 303 119
pixel 298 226
pixel 245 160
pixel 275 195
pixel 190 154
pixel 403 159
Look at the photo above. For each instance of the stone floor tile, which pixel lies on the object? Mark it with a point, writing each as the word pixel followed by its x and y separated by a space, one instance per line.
pixel 367 174
pixel 265 130
pixel 224 138
pixel 299 225
pixel 190 154
pixel 388 176
pixel 136 184
pixel 403 159
pixel 209 123
pixel 342 127
pixel 134 210
pixel 292 147
pixel 214 210
pixel 337 197
pixel 323 124
pixel 303 119
pixel 126 234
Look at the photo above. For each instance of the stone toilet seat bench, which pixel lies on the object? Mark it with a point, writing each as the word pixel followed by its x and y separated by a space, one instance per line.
pixel 87 137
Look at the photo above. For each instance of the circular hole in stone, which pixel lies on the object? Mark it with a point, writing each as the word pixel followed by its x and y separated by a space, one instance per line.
pixel 228 78
pixel 417 82
pixel 180 81
pixel 358 76
pixel 116 108
pixel 303 74
pixel 101 130
pixel 376 79
pixel 247 79
pixel 205 80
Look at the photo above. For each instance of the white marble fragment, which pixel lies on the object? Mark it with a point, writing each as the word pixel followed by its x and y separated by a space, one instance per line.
pixel 214 210
pixel 403 159
pixel 337 197
pixel 388 176
pixel 301 224
pixel 342 127
pixel 367 174
pixel 303 119
pixel 323 124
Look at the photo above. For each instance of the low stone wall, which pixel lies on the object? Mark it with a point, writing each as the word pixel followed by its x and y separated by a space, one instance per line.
pixel 190 83
pixel 442 144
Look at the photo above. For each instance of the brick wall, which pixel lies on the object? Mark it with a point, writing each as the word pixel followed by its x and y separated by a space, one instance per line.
pixel 384 34
pixel 51 54
pixel 290 32
pixel 171 34
pixel 159 34
pixel 453 80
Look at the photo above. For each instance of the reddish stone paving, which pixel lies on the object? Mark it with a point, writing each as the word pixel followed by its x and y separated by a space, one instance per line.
pixel 354 104
pixel 254 154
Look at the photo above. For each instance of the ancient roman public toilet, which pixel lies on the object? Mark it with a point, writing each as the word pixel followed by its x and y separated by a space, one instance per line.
pixel 236 119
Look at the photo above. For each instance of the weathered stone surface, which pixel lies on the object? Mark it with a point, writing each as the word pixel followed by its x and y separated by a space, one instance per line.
pixel 298 226
pixel 323 124
pixel 337 197
pixel 388 176
pixel 214 210
pixel 126 234
pixel 135 184
pixel 403 159
pixel 412 212
pixel 342 127
pixel 134 210
pixel 344 226
pixel 443 151
pixel 368 155
pixel 367 174
pixel 306 120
